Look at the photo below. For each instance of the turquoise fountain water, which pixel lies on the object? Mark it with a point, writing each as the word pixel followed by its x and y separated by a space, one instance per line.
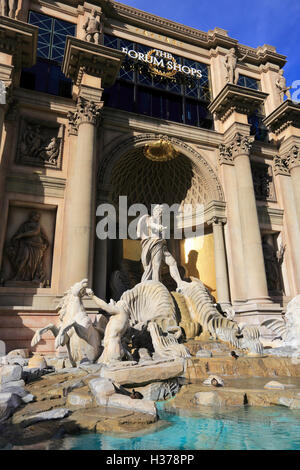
pixel 237 428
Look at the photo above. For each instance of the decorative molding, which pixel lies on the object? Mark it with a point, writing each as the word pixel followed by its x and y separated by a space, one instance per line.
pixel 93 59
pixel 270 216
pixel 287 114
pixel 235 98
pixel 19 40
pixel 207 40
pixel 35 185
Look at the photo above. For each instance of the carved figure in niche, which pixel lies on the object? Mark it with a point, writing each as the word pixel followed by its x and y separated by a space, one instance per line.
pixel 282 89
pixel 273 259
pixel 26 251
pixel 51 152
pixel 8 8
pixel 115 329
pixel 154 247
pixel 38 145
pixel 93 27
pixel 231 60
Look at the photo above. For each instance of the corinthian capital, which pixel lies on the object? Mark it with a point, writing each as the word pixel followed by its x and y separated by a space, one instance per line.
pixel 215 220
pixel 86 112
pixel 225 156
pixel 240 145
pixel 293 157
pixel 280 166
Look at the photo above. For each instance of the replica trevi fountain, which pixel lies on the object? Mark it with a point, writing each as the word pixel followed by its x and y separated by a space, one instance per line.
pixel 149 346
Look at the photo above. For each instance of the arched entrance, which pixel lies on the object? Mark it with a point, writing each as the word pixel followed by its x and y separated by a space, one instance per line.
pixel 184 179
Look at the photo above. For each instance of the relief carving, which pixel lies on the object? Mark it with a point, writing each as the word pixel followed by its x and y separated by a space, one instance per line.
pixel 26 251
pixel 40 145
pixel 263 181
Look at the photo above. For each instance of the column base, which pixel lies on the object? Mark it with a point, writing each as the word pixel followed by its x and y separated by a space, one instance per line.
pixel 260 300
pixel 256 313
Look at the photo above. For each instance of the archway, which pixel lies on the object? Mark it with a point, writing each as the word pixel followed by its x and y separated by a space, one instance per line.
pixel 186 179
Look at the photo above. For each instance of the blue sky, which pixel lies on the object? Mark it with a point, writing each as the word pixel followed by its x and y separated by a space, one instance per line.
pixel 253 23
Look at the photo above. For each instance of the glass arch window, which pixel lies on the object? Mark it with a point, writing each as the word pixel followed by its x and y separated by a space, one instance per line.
pixel 181 98
pixel 46 74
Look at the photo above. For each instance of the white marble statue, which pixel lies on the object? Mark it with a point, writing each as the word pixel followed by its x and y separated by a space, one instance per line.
pixel 288 328
pixel 202 310
pixel 76 330
pixel 154 247
pixel 115 329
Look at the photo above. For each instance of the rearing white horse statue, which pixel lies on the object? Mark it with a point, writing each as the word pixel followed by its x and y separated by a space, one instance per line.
pixel 81 336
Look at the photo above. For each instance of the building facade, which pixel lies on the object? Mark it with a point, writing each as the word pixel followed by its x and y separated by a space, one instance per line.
pixel 88 87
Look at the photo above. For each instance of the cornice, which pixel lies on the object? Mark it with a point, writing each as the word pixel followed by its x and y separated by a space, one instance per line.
pixel 287 114
pixel 148 21
pixel 235 98
pixel 36 185
pixel 85 57
pixel 18 39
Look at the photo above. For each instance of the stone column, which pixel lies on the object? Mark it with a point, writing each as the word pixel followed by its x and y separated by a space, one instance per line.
pixel 80 195
pixel 287 193
pixel 293 162
pixel 220 261
pixel 255 273
pixel 233 237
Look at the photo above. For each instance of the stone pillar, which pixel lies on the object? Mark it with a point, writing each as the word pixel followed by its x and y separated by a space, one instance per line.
pixel 292 232
pixel 80 195
pixel 293 162
pixel 220 261
pixel 255 273
pixel 233 237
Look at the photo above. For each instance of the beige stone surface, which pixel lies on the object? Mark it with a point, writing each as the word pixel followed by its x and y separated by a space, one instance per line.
pixel 37 361
pixel 145 374
pixel 198 368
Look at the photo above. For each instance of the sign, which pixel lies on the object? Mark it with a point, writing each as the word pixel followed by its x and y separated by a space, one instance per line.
pixel 162 63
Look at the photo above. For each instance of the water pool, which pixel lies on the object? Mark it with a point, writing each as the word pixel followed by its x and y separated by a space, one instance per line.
pixel 238 428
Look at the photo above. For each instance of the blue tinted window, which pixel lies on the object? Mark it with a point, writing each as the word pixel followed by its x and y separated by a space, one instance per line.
pixel 52 35
pixel 46 75
pixel 181 98
pixel 248 82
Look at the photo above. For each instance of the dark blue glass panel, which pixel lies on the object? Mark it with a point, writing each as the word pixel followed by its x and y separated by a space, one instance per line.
pixel 159 96
pixel 248 82
pixel 46 75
